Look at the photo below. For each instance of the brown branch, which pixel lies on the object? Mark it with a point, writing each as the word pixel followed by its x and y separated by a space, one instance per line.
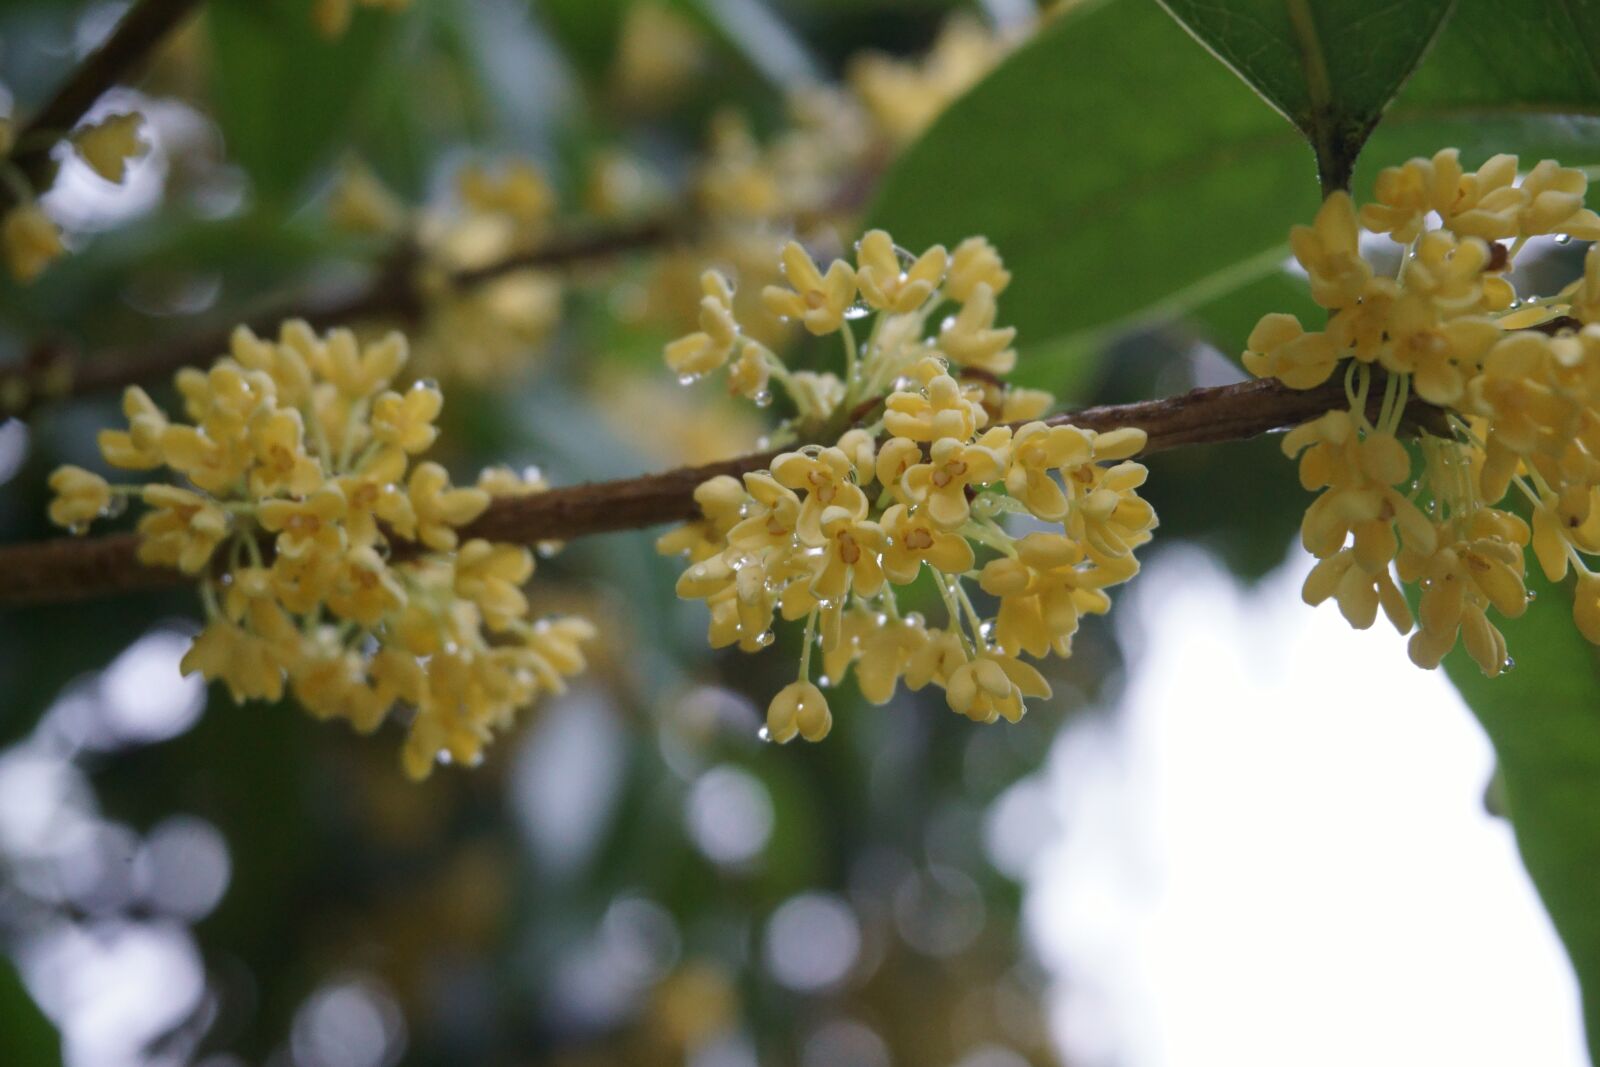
pixel 392 293
pixel 117 59
pixel 66 569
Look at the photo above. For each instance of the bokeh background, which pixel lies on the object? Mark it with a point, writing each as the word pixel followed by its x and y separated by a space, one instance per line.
pixel 1238 833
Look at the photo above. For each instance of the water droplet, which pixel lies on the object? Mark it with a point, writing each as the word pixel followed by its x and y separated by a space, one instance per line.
pixel 547 549
pixel 476 760
pixel 1533 594
pixel 1514 305
pixel 907 258
pixel 688 379
pixel 697 571
pixel 444 757
pixel 915 619
pixel 762 398
pixel 986 628
pixel 763 442
pixel 425 383
pixel 115 506
pixel 1509 665
pixel 78 529
pixel 1533 299
pixel 947 324
pixel 858 310
pixel 1563 238
pixel 764 638
pixel 764 734
pixel 532 473
pixel 824 681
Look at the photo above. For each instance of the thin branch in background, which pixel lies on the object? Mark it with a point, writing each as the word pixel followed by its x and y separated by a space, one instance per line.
pixel 117 59
pixel 66 569
pixel 392 294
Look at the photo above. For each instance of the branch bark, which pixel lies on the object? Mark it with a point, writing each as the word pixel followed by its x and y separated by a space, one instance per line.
pixel 117 59
pixel 67 569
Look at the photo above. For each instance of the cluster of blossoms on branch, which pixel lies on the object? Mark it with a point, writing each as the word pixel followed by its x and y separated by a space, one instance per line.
pixel 480 333
pixel 326 552
pixel 1516 382
pixel 834 534
pixel 29 238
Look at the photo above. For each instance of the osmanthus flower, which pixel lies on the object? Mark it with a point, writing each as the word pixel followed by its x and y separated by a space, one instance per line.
pixel 913 488
pixel 1279 347
pixel 1330 251
pixel 109 144
pixel 888 285
pixel 939 411
pixel 816 300
pixel 992 686
pixel 828 478
pixel 940 485
pixel 1044 590
pixel 30 240
pixel 971 339
pixel 182 529
pixel 1036 450
pixel 708 349
pixel 914 539
pixel 1511 395
pixel 975 262
pixel 328 559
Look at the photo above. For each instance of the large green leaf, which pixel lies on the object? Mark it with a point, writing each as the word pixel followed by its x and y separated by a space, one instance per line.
pixel 1544 720
pixel 284 94
pixel 1115 164
pixel 1128 176
pixel 1330 69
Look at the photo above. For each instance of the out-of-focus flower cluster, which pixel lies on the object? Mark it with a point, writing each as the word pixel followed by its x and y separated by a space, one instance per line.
pixel 811 178
pixel 1517 384
pixel 327 552
pixel 926 464
pixel 29 238
pixel 479 331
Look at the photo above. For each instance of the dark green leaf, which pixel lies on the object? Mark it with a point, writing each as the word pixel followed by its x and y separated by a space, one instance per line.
pixel 1330 67
pixel 284 94
pixel 26 1036
pixel 1544 720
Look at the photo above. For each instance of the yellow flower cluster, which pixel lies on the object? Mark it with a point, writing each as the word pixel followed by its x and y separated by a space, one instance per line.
pixel 327 552
pixel 1517 387
pixel 829 533
pixel 478 333
pixel 29 239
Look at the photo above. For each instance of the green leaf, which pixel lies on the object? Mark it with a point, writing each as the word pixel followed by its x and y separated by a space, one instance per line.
pixel 1127 176
pixel 285 95
pixel 1544 720
pixel 1330 69
pixel 26 1036
pixel 1116 166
